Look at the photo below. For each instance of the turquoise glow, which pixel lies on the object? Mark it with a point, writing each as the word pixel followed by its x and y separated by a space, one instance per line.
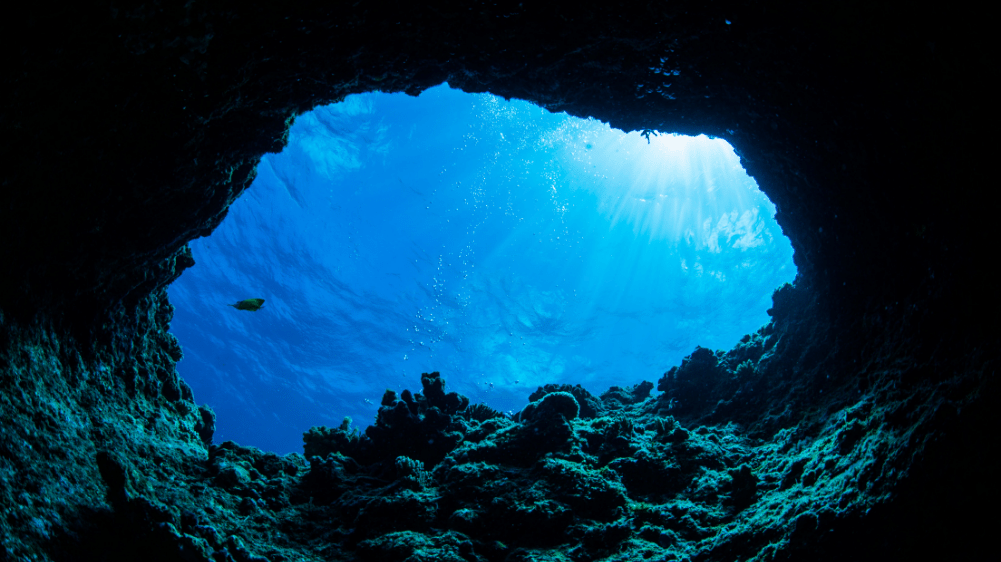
pixel 500 244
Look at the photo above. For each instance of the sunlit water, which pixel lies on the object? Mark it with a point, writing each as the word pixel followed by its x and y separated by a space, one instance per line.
pixel 500 244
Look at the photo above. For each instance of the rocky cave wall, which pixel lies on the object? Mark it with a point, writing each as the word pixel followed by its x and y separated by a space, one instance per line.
pixel 130 128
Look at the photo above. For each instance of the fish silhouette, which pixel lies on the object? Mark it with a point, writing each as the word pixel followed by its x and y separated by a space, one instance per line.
pixel 249 304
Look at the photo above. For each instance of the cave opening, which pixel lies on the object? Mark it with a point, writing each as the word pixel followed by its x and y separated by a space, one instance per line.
pixel 498 243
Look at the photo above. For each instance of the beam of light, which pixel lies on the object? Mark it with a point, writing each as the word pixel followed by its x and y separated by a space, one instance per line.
pixel 668 187
pixel 503 245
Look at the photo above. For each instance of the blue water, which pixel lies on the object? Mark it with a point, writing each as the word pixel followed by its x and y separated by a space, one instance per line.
pixel 500 244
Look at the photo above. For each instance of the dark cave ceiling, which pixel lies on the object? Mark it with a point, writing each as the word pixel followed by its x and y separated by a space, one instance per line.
pixel 130 128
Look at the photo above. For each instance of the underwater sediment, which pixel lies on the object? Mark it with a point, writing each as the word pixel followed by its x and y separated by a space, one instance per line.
pixel 854 425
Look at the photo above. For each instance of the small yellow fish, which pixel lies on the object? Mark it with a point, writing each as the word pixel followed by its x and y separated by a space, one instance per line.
pixel 249 304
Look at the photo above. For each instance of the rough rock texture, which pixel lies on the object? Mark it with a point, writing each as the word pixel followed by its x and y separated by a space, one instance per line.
pixel 858 424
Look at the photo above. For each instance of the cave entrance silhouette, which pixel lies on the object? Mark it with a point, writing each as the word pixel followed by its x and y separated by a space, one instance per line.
pixel 498 243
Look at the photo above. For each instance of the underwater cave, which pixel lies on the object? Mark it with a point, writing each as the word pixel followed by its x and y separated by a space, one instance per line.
pixel 502 245
pixel 854 425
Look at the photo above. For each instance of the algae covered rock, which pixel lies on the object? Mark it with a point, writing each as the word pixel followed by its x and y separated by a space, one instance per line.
pixel 551 407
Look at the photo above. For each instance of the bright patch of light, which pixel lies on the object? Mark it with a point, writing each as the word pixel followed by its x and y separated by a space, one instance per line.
pixel 667 187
